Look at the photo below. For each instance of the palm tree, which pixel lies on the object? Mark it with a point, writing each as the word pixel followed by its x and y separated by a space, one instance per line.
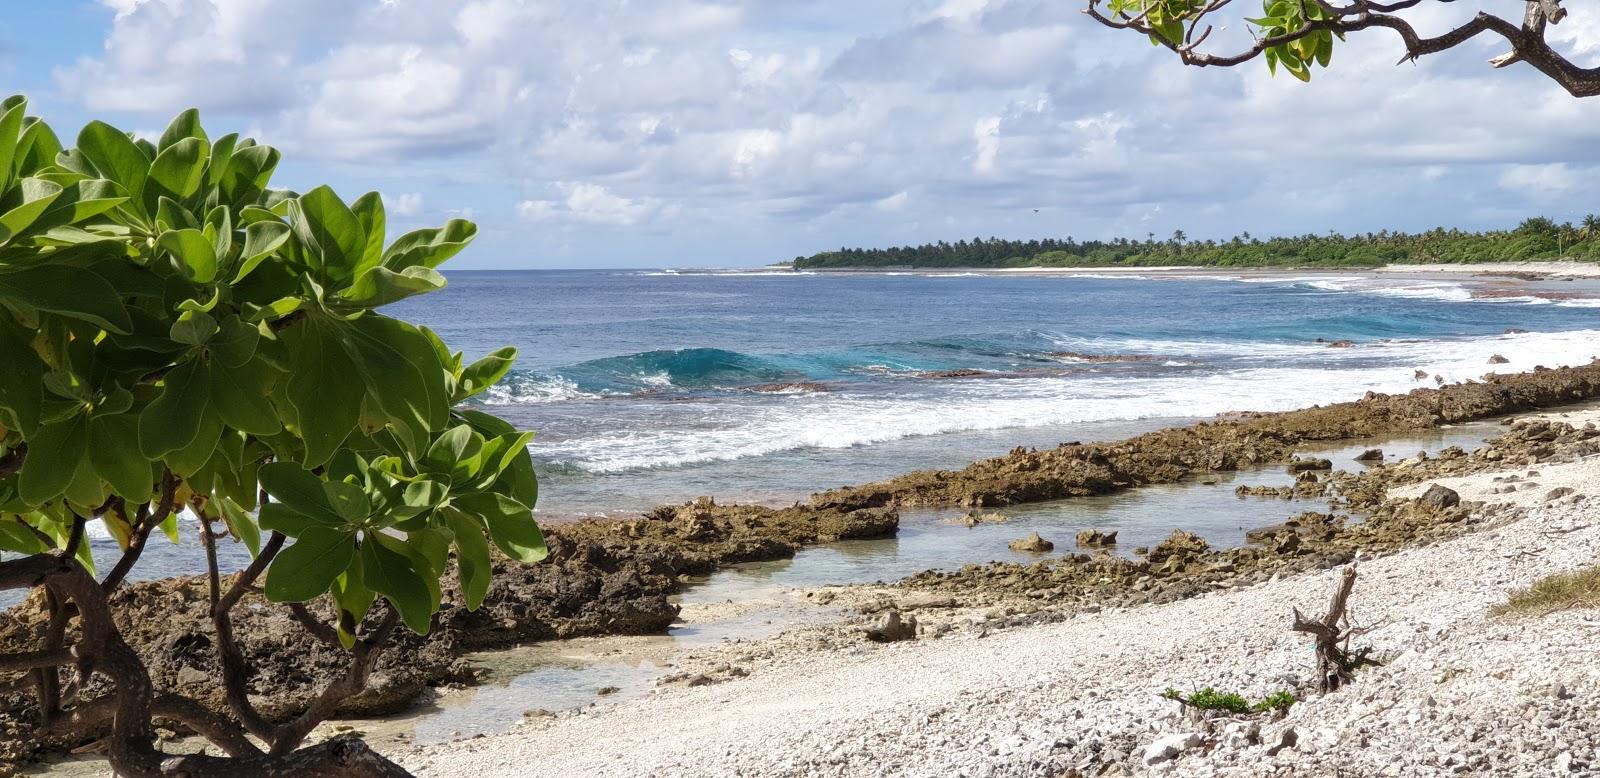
pixel 1590 226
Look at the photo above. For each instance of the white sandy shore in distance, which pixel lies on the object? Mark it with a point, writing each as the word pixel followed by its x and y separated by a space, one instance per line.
pixel 1460 692
pixel 1554 268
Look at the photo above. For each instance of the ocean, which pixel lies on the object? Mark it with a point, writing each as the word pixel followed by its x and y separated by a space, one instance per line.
pixel 649 387
pixel 655 387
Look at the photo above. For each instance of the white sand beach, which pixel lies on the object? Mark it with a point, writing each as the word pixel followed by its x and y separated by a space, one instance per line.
pixel 1459 692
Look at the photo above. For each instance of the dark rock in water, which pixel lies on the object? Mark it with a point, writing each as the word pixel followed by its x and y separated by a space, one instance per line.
pixel 1093 538
pixel 890 628
pixel 1306 465
pixel 1341 344
pixel 957 373
pixel 1178 548
pixel 1419 374
pixel 1031 543
pixel 1439 497
pixel 1496 359
pixel 1515 331
pixel 1370 455
pixel 790 387
pixel 1306 477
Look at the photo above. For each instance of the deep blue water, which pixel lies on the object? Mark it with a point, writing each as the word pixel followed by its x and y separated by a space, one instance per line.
pixel 648 387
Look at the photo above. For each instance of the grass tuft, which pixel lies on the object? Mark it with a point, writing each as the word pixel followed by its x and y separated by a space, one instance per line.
pixel 1579 589
pixel 1231 702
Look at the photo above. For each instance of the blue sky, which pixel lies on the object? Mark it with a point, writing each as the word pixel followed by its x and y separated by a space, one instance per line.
pixel 649 133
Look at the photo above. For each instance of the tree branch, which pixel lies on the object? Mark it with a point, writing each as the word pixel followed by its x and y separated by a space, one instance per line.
pixel 235 674
pixel 362 657
pixel 1527 39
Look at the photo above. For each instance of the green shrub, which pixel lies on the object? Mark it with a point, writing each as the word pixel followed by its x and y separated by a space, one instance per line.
pixel 174 334
pixel 1230 702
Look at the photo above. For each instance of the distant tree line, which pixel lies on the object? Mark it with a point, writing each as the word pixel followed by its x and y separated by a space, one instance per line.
pixel 1535 238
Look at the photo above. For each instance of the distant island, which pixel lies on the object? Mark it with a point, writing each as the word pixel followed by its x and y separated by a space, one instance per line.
pixel 1537 238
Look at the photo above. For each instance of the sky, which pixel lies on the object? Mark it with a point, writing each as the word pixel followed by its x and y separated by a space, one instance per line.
pixel 721 133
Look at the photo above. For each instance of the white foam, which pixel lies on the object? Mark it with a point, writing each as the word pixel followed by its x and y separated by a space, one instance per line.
pixel 517 391
pixel 750 429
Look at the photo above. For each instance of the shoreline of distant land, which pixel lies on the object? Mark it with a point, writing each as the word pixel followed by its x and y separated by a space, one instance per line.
pixel 1563 268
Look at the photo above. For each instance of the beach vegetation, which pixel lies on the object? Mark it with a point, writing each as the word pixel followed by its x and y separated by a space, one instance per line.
pixel 1556 592
pixel 1537 238
pixel 186 348
pixel 1209 699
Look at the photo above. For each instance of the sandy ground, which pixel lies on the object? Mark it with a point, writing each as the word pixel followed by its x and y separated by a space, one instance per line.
pixel 1459 693
pixel 1564 268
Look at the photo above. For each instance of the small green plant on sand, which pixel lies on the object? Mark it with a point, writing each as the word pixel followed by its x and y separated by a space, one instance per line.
pixel 1230 702
pixel 1562 591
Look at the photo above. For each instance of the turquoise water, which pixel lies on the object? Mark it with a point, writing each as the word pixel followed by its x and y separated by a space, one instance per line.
pixel 648 387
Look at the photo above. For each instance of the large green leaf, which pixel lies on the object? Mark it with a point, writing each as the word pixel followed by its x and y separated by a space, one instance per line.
pixel 393 382
pixel 11 114
pixel 241 525
pixel 323 388
pixel 114 452
pixel 306 569
pixel 242 400
pixel 173 421
pixel 82 200
pixel 429 247
pixel 196 255
pixel 113 155
pixel 37 195
pixel 393 574
pixel 37 149
pixel 300 490
pixel 181 167
pixel 68 292
pixel 261 239
pixel 484 373
pixel 354 599
pixel 510 523
pixel 184 126
pixel 54 455
pixel 380 286
pixel 472 557
pixel 328 225
pixel 368 209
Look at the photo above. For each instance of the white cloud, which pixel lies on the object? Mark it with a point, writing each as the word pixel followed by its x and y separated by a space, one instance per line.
pixel 590 203
pixel 986 144
pixel 405 204
pixel 1539 180
pixel 769 129
pixel 894 202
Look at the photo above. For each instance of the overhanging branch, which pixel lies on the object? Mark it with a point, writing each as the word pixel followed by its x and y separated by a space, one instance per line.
pixel 1527 40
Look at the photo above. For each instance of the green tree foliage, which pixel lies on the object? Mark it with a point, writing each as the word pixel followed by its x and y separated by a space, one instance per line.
pixel 175 334
pixel 1535 238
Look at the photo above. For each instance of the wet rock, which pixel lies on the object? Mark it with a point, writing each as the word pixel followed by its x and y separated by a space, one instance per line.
pixel 1093 538
pixel 1304 465
pixel 1032 543
pixel 1496 359
pixel 890 628
pixel 1341 344
pixel 1439 497
pixel 1515 331
pixel 1370 455
pixel 1420 375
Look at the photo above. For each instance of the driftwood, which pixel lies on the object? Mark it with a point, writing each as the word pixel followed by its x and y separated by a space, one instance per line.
pixel 1335 662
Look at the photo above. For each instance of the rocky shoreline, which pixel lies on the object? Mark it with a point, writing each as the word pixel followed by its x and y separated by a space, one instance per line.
pixel 614 577
pixel 991 679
